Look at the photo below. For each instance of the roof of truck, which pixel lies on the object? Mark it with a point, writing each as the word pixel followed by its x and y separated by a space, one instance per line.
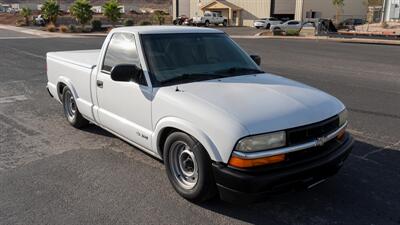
pixel 166 29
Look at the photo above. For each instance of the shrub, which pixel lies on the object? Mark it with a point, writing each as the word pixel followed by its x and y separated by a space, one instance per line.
pixel 145 23
pixel 292 33
pixel 51 28
pixel 72 28
pixel 128 23
pixel 64 29
pixel 96 25
pixel 159 17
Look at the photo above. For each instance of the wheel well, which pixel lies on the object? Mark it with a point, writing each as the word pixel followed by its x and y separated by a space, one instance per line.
pixel 163 137
pixel 60 88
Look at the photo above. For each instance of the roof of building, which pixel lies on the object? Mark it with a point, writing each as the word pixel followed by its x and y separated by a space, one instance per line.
pixel 166 29
pixel 223 2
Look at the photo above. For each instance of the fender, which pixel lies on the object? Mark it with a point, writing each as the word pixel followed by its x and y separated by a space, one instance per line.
pixel 189 128
pixel 68 83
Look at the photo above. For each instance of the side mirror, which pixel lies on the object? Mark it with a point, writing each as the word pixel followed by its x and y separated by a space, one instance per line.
pixel 126 73
pixel 256 59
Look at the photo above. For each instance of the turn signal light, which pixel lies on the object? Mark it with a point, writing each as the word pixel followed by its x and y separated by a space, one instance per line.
pixel 246 163
pixel 341 135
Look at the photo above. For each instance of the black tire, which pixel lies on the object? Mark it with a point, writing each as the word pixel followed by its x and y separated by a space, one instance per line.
pixel 268 26
pixel 204 188
pixel 207 23
pixel 71 112
pixel 225 23
pixel 257 28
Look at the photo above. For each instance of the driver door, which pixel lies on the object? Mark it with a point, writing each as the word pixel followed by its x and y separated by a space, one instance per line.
pixel 124 107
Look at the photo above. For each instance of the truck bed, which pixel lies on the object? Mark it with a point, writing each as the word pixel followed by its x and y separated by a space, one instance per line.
pixel 84 58
pixel 73 67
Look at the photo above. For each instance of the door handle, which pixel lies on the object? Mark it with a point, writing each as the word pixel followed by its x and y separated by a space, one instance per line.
pixel 99 83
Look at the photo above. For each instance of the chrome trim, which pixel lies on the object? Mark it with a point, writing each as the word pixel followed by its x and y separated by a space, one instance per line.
pixel 318 142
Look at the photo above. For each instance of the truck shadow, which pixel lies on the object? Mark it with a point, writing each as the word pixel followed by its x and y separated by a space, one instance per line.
pixel 365 191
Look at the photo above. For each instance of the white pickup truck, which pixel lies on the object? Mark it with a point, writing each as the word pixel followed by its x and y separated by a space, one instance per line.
pixel 194 99
pixel 210 18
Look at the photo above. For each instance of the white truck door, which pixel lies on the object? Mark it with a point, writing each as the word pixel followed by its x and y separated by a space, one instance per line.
pixel 124 107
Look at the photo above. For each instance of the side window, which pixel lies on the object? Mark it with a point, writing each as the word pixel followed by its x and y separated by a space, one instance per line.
pixel 122 50
pixel 293 23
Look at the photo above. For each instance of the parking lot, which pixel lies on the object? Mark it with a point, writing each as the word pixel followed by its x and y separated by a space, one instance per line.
pixel 51 173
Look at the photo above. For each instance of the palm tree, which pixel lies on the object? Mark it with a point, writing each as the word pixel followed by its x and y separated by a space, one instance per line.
pixel 82 11
pixel 338 4
pixel 112 11
pixel 50 10
pixel 26 13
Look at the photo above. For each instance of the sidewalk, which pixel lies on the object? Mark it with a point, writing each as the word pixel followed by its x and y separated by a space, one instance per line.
pixel 45 34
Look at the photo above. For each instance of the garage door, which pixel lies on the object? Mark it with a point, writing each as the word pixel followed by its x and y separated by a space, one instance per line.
pixel 284 6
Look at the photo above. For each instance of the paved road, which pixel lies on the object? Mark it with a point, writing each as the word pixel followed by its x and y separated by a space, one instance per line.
pixel 51 173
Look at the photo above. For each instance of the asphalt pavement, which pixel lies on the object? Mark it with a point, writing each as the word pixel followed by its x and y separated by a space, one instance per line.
pixel 51 173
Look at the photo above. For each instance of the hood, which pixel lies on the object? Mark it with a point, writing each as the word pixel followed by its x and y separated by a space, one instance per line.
pixel 264 102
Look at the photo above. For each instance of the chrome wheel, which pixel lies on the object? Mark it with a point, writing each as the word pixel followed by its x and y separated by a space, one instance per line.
pixel 183 165
pixel 69 106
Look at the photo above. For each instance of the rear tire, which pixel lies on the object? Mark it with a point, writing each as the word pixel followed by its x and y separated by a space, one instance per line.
pixel 225 23
pixel 207 23
pixel 189 168
pixel 71 112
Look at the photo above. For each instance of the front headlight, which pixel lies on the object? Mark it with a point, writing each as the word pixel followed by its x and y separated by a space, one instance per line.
pixel 343 117
pixel 262 142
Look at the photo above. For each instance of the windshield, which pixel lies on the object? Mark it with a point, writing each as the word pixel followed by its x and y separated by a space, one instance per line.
pixel 183 58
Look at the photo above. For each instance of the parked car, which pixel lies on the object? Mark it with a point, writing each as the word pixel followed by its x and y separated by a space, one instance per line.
pixel 210 18
pixel 350 24
pixel 39 20
pixel 220 124
pixel 266 23
pixel 180 20
pixel 288 25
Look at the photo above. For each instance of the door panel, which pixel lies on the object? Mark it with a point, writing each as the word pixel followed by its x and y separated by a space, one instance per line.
pixel 124 107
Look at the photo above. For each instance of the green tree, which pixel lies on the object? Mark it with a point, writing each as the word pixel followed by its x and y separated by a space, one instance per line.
pixel 50 10
pixel 82 11
pixel 159 16
pixel 338 5
pixel 112 11
pixel 26 13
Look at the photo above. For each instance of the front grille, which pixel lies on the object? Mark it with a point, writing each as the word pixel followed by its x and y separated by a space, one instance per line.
pixel 300 135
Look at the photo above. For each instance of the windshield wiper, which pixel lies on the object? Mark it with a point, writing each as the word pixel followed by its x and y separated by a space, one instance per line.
pixel 240 71
pixel 189 77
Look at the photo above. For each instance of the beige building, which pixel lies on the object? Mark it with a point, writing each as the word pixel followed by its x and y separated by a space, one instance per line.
pixel 244 12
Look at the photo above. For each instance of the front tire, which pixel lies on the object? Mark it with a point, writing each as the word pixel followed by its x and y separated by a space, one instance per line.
pixel 71 112
pixel 189 168
pixel 207 23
